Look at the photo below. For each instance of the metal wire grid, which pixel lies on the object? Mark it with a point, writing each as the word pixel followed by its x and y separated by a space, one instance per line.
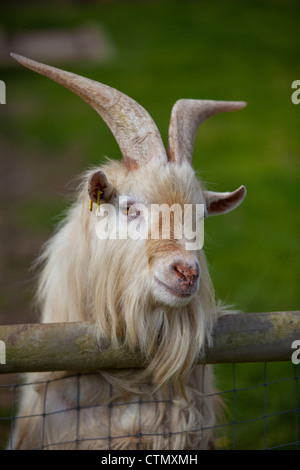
pixel 265 418
pixel 12 418
pixel 228 431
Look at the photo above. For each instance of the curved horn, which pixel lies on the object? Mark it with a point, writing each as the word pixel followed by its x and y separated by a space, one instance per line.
pixel 133 128
pixel 186 117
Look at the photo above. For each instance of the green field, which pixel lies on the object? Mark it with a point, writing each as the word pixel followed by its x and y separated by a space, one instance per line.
pixel 163 51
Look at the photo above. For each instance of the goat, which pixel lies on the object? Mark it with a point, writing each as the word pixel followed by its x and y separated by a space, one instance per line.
pixel 150 293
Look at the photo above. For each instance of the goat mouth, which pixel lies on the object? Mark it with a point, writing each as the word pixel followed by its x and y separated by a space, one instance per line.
pixel 176 292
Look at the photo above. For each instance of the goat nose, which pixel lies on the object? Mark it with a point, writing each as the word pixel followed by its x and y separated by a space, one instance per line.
pixel 186 274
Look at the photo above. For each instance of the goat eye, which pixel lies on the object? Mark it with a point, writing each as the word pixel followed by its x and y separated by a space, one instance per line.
pixel 131 211
pixel 125 209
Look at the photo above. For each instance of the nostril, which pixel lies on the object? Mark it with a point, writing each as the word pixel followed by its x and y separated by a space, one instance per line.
pixel 185 272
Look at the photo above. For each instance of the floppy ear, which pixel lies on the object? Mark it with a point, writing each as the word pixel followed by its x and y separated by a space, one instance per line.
pixel 220 203
pixel 98 181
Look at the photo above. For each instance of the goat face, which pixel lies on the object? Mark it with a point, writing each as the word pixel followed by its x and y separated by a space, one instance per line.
pixel 153 213
pixel 173 263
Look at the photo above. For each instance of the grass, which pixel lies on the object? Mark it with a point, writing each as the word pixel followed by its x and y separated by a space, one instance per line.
pixel 167 50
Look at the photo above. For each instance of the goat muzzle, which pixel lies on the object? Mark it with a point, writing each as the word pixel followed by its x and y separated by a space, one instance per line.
pixel 185 277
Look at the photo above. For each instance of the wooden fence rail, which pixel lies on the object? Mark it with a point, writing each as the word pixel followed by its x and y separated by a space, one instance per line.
pixel 244 337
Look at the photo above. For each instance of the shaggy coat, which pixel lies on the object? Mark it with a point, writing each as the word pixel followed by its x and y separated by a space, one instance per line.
pixel 150 293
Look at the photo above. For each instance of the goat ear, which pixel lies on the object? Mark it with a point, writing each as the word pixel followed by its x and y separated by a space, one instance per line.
pixel 220 203
pixel 98 181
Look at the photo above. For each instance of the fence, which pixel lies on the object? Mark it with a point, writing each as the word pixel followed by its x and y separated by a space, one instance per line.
pixel 252 354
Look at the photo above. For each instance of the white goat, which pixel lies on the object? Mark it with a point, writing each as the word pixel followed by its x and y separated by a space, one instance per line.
pixel 151 293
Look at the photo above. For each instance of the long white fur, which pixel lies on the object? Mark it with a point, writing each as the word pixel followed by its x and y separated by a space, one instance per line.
pixel 170 403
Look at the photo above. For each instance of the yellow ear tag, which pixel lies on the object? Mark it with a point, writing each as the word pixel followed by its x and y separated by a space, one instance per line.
pixel 98 201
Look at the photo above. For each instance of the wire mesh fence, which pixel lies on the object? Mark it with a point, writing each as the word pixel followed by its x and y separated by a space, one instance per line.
pixel 261 408
pixel 264 415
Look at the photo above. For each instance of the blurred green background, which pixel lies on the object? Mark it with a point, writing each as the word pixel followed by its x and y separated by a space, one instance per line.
pixel 158 52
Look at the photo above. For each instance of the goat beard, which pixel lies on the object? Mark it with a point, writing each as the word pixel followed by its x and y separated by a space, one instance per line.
pixel 116 292
pixel 170 339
